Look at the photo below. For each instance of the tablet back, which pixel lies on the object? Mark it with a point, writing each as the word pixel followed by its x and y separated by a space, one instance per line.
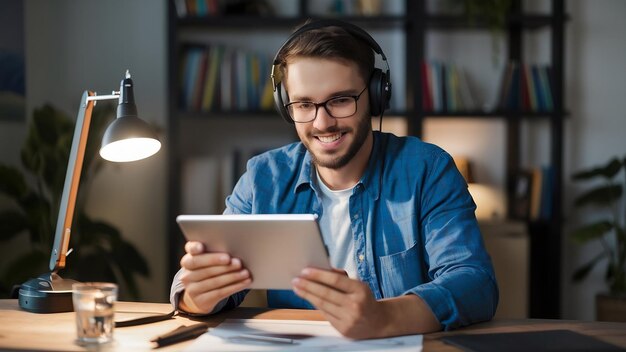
pixel 274 247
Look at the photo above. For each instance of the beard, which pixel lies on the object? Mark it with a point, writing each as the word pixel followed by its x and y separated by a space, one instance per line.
pixel 341 160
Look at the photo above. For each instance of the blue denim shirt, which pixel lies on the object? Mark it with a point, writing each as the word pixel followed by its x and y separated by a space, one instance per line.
pixel 411 216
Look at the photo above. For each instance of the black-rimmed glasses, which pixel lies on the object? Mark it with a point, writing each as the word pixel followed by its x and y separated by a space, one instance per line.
pixel 337 107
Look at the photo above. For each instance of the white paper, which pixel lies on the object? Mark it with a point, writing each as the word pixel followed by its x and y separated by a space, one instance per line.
pixel 308 335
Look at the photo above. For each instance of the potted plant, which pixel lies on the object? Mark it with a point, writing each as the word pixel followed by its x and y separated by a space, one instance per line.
pixel 102 253
pixel 610 231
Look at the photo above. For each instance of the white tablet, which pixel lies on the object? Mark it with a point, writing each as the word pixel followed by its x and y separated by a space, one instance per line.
pixel 275 247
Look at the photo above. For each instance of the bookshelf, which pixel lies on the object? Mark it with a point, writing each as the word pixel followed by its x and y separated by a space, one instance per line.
pixel 545 234
pixel 404 25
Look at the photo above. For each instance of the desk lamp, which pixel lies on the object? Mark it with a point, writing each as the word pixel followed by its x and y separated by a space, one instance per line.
pixel 126 139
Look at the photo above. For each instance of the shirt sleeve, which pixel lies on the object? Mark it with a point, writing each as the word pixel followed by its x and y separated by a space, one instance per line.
pixel 463 288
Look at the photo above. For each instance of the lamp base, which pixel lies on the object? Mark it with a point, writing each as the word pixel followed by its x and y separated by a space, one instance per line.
pixel 48 293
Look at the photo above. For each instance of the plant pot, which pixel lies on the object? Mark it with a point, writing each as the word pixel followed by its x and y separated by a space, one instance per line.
pixel 610 307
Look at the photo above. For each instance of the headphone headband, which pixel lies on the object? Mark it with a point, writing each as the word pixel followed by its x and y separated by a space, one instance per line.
pixel 380 85
pixel 349 27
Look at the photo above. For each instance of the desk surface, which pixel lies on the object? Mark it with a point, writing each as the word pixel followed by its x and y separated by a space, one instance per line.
pixel 23 330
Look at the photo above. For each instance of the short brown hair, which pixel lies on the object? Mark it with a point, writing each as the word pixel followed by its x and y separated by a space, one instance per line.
pixel 332 42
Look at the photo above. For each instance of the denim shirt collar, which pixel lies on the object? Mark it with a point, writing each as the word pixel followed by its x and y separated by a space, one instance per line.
pixel 370 181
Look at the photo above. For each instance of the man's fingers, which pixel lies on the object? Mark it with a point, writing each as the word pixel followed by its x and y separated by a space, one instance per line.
pixel 194 247
pixel 320 303
pixel 333 279
pixel 316 289
pixel 197 288
pixel 211 298
pixel 193 262
pixel 197 275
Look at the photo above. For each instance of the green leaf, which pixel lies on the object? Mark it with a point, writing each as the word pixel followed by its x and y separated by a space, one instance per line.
pixel 92 232
pixel 603 195
pixel 12 182
pixel 11 223
pixel 592 231
pixel 49 133
pixel 129 259
pixel 607 171
pixel 38 215
pixel 584 270
pixel 91 265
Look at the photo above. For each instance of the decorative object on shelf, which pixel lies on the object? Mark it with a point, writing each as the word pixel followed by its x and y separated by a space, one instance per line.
pixel 493 13
pixel 103 254
pixel 610 231
pixel 485 196
pixel 369 7
pixel 465 168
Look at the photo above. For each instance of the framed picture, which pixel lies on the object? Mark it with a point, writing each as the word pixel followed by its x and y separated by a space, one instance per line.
pixel 12 64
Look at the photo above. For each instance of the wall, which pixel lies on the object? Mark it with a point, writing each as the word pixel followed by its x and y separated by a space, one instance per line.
pixel 596 129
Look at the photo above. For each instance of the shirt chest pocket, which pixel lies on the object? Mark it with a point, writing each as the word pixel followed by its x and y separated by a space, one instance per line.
pixel 400 271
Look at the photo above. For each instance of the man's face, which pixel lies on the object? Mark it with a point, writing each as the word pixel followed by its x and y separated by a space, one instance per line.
pixel 333 143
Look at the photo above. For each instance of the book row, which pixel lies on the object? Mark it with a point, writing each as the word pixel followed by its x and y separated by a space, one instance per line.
pixel 445 88
pixel 221 78
pixel 526 87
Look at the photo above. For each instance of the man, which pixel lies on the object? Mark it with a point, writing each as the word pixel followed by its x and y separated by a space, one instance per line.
pixel 394 212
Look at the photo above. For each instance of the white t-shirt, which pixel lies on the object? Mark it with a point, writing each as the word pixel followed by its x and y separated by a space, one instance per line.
pixel 335 226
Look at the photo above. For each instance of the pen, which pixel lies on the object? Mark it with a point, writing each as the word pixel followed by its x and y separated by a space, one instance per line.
pixel 179 334
pixel 265 338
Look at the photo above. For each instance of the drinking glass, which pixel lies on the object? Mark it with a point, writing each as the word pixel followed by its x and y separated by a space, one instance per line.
pixel 94 304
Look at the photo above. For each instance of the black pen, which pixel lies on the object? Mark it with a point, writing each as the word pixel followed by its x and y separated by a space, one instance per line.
pixel 182 333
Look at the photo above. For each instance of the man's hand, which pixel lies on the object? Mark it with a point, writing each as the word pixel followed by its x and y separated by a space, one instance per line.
pixel 346 303
pixel 352 309
pixel 209 278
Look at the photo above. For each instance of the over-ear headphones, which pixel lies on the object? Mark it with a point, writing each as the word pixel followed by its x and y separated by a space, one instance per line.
pixel 379 84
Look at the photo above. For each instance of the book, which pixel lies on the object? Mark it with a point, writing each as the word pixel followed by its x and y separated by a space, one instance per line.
pixel 198 88
pixel 535 193
pixel 436 86
pixel 211 81
pixel 226 80
pixel 192 64
pixel 532 90
pixel 540 94
pixel 544 81
pixel 427 102
pixel 505 85
pixel 467 98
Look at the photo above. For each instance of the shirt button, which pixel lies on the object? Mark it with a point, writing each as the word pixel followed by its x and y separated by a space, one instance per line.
pixel 361 257
pixel 356 216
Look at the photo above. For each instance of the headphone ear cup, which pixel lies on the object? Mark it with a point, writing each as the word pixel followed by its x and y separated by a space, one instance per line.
pixel 376 92
pixel 280 96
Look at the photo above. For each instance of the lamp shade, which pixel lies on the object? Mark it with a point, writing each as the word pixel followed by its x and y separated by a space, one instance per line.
pixel 129 138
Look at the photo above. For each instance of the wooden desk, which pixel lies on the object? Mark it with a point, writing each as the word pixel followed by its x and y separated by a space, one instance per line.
pixel 29 331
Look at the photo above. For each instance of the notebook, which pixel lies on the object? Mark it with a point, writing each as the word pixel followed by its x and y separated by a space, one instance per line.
pixel 536 341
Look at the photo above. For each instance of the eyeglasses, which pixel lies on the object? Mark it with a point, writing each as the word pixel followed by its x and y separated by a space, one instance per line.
pixel 337 107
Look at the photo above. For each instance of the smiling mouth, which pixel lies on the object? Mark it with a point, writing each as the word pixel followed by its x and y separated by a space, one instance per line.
pixel 330 139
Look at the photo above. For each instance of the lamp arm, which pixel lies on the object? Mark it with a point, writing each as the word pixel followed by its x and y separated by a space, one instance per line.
pixel 72 180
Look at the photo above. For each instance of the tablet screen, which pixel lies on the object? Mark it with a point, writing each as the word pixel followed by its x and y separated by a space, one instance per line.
pixel 273 247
